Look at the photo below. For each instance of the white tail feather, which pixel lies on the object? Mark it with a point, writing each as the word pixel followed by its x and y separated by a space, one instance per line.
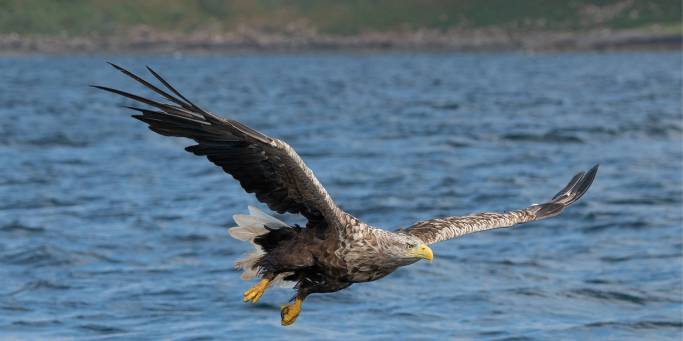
pixel 258 213
pixel 248 228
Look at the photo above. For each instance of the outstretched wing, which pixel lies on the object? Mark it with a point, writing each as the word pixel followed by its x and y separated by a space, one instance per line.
pixel 265 166
pixel 436 230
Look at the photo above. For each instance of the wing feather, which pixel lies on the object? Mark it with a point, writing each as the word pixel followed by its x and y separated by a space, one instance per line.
pixel 265 166
pixel 436 230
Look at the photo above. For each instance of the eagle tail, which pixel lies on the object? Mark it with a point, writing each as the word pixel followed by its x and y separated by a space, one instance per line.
pixel 250 227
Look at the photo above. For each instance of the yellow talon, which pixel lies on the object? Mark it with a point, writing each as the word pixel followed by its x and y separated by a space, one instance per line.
pixel 290 312
pixel 256 291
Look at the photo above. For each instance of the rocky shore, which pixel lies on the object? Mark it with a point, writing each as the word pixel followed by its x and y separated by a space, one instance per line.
pixel 144 40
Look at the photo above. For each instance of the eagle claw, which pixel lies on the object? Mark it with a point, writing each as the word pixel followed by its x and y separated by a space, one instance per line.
pixel 255 293
pixel 290 312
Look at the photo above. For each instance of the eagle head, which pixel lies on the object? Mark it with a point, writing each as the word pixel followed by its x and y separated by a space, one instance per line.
pixel 406 249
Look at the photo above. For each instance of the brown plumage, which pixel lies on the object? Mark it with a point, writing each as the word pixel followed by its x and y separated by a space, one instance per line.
pixel 334 249
pixel 436 230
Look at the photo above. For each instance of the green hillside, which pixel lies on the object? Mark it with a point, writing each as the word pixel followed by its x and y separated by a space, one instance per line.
pixel 105 17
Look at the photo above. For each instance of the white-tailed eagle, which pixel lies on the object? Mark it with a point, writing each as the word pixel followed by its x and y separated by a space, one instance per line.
pixel 334 249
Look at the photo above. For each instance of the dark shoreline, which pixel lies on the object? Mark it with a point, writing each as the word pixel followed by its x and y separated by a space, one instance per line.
pixel 485 40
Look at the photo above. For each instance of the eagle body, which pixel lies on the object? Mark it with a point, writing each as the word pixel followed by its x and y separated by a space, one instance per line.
pixel 334 249
pixel 324 262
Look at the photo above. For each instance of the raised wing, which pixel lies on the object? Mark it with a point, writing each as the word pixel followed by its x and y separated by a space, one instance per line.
pixel 436 230
pixel 265 166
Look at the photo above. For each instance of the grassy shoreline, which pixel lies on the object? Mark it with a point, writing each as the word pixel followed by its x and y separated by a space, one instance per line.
pixel 49 26
pixel 147 41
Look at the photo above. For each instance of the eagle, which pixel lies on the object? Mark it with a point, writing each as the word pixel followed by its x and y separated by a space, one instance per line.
pixel 334 249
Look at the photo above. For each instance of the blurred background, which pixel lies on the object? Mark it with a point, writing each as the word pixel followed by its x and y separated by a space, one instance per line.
pixel 405 110
pixel 158 25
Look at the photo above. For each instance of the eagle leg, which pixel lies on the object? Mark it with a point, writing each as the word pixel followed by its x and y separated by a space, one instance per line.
pixel 255 293
pixel 291 311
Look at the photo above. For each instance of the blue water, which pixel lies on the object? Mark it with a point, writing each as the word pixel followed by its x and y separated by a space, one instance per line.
pixel 108 230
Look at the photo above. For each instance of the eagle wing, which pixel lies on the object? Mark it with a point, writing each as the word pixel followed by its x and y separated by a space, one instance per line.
pixel 436 230
pixel 263 165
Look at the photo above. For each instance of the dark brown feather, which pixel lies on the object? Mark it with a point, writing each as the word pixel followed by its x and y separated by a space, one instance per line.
pixel 267 167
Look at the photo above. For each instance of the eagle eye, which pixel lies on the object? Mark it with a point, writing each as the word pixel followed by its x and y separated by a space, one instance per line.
pixel 410 245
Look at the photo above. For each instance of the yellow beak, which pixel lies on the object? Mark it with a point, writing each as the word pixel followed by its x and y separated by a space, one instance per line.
pixel 424 252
